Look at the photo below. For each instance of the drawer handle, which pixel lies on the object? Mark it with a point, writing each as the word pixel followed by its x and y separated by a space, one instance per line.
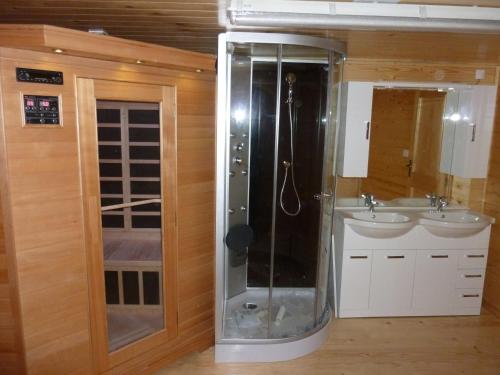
pixel 439 256
pixel 475 256
pixel 470 295
pixel 359 257
pixel 395 256
pixel 471 276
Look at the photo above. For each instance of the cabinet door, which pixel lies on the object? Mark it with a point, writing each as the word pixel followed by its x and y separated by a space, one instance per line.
pixel 392 282
pixel 355 282
pixel 355 118
pixel 474 108
pixel 434 288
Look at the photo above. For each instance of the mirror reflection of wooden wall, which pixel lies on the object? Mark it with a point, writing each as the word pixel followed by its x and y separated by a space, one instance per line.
pixel 405 144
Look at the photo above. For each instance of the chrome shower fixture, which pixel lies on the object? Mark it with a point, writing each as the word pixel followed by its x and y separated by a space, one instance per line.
pixel 290 79
pixel 289 165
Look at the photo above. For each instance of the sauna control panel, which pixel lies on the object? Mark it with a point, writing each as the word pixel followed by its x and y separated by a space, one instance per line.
pixel 39 76
pixel 41 110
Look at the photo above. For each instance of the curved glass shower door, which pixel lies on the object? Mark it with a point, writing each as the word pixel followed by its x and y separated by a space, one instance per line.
pixel 277 181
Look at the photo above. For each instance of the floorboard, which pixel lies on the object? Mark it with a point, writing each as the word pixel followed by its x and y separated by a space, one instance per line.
pixel 385 346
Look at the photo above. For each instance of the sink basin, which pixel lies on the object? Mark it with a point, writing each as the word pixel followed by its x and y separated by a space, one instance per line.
pixel 381 217
pixel 379 224
pixel 454 224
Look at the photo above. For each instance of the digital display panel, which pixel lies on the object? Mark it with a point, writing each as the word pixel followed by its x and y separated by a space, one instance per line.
pixel 41 110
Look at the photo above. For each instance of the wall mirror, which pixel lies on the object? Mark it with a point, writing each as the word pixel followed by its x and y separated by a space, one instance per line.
pixel 418 139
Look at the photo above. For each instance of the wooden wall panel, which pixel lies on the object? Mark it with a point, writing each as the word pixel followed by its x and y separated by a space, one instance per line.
pixel 45 196
pixel 11 344
pixel 359 69
pixel 10 355
pixel 44 178
pixel 194 25
pixel 492 208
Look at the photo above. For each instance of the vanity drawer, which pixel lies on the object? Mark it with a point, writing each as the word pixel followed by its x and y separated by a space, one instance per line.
pixel 470 278
pixel 472 259
pixel 468 298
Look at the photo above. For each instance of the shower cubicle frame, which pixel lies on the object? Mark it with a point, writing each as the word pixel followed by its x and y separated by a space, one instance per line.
pixel 252 350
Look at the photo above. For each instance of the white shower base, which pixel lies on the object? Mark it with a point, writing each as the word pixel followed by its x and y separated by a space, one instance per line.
pixel 294 328
pixel 296 325
pixel 244 323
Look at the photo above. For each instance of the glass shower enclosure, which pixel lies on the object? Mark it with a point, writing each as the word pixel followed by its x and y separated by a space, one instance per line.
pixel 276 128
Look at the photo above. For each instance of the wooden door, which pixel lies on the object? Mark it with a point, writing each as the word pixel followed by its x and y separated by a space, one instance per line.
pixel 89 92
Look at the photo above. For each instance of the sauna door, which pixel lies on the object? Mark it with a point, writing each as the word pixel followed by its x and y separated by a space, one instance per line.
pixel 128 151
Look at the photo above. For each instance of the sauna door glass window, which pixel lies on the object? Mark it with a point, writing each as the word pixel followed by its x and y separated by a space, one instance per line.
pixel 130 186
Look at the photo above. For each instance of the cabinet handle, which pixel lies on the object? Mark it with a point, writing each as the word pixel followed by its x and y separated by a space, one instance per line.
pixel 367 134
pixel 395 256
pixel 359 257
pixel 473 139
pixel 439 256
pixel 471 276
pixel 470 295
pixel 475 256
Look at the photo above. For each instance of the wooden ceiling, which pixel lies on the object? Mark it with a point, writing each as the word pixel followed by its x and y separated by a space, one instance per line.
pixel 191 25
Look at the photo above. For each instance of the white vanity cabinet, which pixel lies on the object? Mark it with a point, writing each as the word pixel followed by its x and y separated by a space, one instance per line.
pixel 416 274
pixel 355 129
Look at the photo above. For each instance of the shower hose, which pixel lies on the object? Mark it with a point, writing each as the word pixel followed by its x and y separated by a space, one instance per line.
pixel 290 166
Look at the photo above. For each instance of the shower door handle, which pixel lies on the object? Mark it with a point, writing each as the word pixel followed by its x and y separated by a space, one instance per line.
pixel 322 195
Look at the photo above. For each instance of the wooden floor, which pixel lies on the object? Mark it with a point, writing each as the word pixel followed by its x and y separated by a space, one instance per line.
pixel 382 346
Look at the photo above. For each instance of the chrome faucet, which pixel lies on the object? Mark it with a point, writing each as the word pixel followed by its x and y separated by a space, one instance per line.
pixel 441 203
pixel 370 201
pixel 432 198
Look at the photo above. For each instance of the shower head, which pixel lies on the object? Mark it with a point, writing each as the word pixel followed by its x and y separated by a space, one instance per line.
pixel 290 78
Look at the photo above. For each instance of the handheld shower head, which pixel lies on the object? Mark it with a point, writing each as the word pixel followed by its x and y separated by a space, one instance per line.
pixel 290 78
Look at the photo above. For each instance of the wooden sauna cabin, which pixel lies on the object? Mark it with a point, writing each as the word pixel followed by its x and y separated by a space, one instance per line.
pixel 106 202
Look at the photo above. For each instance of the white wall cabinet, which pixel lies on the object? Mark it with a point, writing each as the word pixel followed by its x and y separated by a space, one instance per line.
pixel 416 274
pixel 467 128
pixel 355 129
pixel 470 113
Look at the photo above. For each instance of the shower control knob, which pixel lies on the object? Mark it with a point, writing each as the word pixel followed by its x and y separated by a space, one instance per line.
pixel 244 135
pixel 244 172
pixel 232 135
pixel 237 160
pixel 231 174
pixel 243 208
pixel 239 147
pixel 230 211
